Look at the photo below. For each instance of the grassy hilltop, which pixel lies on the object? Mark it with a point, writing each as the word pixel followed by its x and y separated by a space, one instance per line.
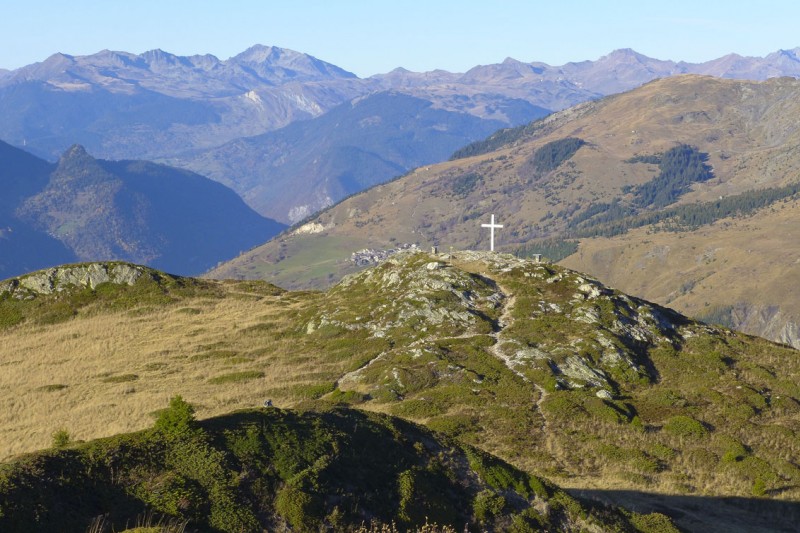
pixel 555 373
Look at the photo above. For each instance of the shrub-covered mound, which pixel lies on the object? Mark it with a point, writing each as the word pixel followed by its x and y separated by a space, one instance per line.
pixel 281 470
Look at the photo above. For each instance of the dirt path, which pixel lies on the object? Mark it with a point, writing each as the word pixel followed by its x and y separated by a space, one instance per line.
pixel 506 319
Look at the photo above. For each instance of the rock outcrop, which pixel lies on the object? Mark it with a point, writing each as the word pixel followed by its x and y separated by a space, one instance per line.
pixel 66 277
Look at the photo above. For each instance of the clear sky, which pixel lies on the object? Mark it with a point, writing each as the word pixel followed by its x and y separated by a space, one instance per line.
pixel 374 36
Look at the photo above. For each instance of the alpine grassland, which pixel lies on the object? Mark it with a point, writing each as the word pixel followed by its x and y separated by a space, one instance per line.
pixel 538 373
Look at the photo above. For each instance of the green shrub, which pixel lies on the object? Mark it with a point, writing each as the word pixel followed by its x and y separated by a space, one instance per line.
pixel 453 425
pixel 172 494
pixel 685 426
pixel 405 490
pixel 297 507
pixel 346 397
pixel 487 504
pixel 61 438
pixel 653 523
pixel 177 420
pixel 538 487
pixel 759 488
pixel 529 521
pixel 734 451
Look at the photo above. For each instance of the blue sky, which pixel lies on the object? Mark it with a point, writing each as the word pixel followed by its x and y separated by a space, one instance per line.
pixel 373 36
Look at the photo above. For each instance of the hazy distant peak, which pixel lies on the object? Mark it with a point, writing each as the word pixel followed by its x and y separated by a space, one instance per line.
pixel 59 57
pixel 75 157
pixel 263 54
pixel 57 61
pixel 627 55
pixel 782 55
pixel 158 55
pixel 294 63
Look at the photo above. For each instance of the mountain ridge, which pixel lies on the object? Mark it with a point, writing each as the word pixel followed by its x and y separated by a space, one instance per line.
pixel 84 208
pixel 294 86
pixel 353 146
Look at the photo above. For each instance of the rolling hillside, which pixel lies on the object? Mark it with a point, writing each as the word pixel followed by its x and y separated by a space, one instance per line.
pixel 677 154
pixel 606 394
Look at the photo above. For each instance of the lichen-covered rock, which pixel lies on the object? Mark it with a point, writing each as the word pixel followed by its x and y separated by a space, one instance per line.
pixel 61 278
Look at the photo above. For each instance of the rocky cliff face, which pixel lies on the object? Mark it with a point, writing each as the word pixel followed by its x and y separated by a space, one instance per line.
pixel 769 322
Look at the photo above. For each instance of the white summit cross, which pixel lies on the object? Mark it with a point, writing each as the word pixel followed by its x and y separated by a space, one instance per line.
pixel 491 227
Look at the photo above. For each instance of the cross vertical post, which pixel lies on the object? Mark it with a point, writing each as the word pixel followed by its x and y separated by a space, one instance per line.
pixel 491 227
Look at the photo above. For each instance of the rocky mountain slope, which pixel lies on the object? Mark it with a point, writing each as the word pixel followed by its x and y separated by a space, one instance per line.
pixel 87 209
pixel 683 154
pixel 547 368
pixel 120 105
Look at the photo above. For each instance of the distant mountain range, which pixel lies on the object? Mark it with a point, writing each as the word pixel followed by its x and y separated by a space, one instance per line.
pixel 83 208
pixel 196 110
pixel 681 191
pixel 158 104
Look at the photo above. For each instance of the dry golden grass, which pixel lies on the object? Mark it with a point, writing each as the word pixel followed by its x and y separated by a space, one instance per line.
pixel 752 260
pixel 102 374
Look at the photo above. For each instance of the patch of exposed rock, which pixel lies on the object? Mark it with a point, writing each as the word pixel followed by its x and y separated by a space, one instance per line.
pixel 765 321
pixel 61 278
pixel 411 288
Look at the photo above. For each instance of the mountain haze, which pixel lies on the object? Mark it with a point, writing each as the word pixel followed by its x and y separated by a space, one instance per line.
pixel 200 111
pixel 156 104
pixel 291 173
pixel 24 247
pixel 82 208
pixel 122 105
